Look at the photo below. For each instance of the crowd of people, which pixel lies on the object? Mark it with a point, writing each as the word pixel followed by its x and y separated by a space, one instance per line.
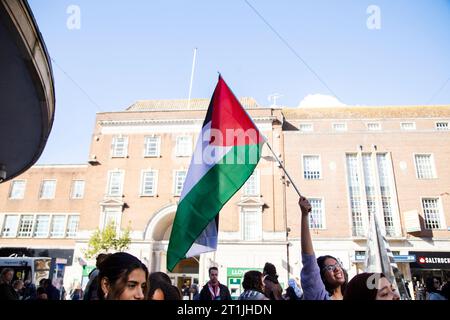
pixel 121 276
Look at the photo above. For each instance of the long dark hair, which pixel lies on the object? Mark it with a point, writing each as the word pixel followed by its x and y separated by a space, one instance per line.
pixel 359 289
pixel 271 272
pixel 329 287
pixel 253 281
pixel 116 268
pixel 161 281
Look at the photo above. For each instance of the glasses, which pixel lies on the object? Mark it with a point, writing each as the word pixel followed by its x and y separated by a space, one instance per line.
pixel 332 267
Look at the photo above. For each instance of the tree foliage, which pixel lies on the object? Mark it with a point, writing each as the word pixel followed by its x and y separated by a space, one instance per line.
pixel 106 240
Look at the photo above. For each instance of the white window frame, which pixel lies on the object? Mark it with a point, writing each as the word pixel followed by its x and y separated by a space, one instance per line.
pixel 322 202
pixel 306 124
pixel 64 227
pixel 155 183
pixel 46 235
pixel 443 224
pixel 433 166
pixel 408 122
pixel 33 221
pixel 344 129
pixel 42 188
pixel 377 123
pixel 256 174
pixel 108 184
pixel 259 223
pixel 67 225
pixel 175 182
pixel 22 195
pixel 116 211
pixel 72 190
pixel 303 166
pixel 436 125
pixel 188 153
pixel 114 147
pixel 158 146
pixel 15 228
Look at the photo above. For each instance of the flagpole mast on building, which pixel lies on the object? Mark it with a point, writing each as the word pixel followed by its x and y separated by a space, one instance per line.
pixel 192 77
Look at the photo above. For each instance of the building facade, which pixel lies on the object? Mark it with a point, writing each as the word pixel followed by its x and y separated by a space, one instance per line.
pixel 349 161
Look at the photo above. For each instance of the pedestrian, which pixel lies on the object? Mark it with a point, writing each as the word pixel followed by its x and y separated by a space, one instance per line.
pixel 7 291
pixel 193 292
pixel 293 291
pixel 122 277
pixel 433 286
pixel 161 288
pixel 253 286
pixel 370 286
pixel 445 290
pixel 273 289
pixel 213 289
pixel 90 292
pixel 50 289
pixel 29 292
pixel 18 288
pixel 41 294
pixel 77 293
pixel 324 278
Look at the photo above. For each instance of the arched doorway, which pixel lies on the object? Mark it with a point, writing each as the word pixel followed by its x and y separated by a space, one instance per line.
pixel 158 232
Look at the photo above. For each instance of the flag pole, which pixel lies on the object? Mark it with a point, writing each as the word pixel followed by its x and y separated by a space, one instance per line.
pixel 192 77
pixel 284 169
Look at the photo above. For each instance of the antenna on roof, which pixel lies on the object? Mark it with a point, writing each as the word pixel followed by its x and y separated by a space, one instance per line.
pixel 192 77
pixel 273 97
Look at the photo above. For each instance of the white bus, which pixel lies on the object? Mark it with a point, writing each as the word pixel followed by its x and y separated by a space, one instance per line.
pixel 27 268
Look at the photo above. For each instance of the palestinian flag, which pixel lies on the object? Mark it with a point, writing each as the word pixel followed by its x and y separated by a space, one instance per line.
pixel 227 151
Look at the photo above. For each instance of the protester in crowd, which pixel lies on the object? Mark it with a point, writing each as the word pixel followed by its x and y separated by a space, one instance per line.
pixel 90 292
pixel 41 294
pixel 161 288
pixel 185 289
pixel 433 286
pixel 273 289
pixel 445 290
pixel 122 277
pixel 193 292
pixel 293 291
pixel 253 286
pixel 18 288
pixel 324 278
pixel 7 291
pixel 77 293
pixel 370 286
pixel 213 289
pixel 50 289
pixel 29 291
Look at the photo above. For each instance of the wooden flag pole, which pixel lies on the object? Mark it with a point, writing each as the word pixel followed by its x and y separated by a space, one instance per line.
pixel 284 169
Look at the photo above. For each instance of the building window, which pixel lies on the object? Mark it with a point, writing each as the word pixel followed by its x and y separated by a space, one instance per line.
pixel 72 226
pixel 184 146
pixel 25 226
pixel 251 186
pixel 355 195
pixel 442 126
pixel 432 213
pixel 306 127
pixel 112 216
pixel 180 176
pixel 408 126
pixel 316 220
pixel 373 126
pixel 251 224
pixel 115 184
pixel 10 226
pixel 148 185
pixel 340 127
pixel 58 226
pixel 424 166
pixel 42 226
pixel 386 194
pixel 77 189
pixel 17 189
pixel 119 147
pixel 48 188
pixel 311 167
pixel 152 146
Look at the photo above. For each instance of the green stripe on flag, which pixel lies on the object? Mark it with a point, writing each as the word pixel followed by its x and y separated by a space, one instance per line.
pixel 208 196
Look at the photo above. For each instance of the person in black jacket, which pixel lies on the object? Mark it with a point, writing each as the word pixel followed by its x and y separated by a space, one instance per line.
pixel 213 289
pixel 7 291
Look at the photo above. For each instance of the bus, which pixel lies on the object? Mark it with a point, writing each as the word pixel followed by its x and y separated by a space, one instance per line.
pixel 31 269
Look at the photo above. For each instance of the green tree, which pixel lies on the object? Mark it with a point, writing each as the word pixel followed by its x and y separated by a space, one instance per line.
pixel 102 241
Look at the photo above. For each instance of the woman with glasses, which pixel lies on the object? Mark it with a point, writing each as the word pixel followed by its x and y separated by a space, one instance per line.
pixel 324 278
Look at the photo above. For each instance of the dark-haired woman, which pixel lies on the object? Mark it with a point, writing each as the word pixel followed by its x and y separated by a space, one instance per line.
pixel 324 278
pixel 161 288
pixel 122 277
pixel 370 286
pixel 253 286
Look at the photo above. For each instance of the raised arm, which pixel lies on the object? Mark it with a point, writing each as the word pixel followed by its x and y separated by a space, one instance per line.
pixel 307 246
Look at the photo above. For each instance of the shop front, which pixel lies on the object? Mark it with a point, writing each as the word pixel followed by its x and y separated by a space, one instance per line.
pixel 430 264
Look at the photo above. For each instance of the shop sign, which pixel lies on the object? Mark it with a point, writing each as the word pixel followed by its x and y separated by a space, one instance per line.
pixel 431 260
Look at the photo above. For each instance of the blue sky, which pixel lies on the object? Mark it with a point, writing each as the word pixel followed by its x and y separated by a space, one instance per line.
pixel 142 49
